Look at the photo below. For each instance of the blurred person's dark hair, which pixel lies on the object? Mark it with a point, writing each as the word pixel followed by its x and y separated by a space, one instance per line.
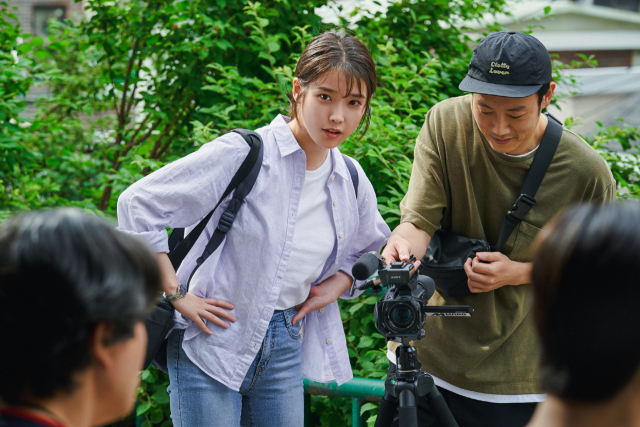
pixel 586 279
pixel 61 273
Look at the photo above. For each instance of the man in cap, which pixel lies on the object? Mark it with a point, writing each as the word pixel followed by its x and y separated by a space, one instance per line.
pixel 471 159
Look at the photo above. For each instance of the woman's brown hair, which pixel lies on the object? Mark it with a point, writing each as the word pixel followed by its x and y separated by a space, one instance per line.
pixel 337 50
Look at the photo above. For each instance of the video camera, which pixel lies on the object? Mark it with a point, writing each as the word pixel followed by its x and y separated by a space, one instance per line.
pixel 401 313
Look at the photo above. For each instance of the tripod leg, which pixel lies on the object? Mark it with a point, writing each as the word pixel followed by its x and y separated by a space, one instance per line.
pixel 387 411
pixel 407 409
pixel 440 409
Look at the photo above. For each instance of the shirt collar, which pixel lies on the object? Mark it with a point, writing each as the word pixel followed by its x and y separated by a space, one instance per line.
pixel 288 145
pixel 339 166
pixel 284 137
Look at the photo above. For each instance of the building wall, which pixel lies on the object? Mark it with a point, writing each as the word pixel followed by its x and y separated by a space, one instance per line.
pixel 26 9
pixel 605 58
pixel 576 22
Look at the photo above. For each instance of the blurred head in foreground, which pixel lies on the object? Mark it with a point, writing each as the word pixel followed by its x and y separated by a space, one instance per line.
pixel 586 279
pixel 74 294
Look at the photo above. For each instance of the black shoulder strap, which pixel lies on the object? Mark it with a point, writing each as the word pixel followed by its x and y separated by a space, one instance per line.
pixel 355 179
pixel 537 170
pixel 179 246
pixel 229 215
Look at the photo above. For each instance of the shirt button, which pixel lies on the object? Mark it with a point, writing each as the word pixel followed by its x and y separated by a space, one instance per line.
pixel 333 177
pixel 328 340
pixel 335 202
pixel 335 263
pixel 321 310
pixel 340 235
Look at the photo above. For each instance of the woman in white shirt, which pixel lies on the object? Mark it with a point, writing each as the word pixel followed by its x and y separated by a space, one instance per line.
pixel 239 349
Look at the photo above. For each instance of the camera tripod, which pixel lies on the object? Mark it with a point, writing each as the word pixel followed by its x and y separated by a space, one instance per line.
pixel 405 387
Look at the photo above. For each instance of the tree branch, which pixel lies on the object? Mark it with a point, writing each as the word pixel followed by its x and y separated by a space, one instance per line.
pixel 135 87
pixel 144 122
pixel 156 151
pixel 123 116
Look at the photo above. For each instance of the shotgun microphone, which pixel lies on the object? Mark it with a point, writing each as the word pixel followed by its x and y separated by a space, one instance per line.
pixel 368 264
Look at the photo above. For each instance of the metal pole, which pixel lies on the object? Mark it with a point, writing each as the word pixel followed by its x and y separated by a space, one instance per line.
pixel 307 410
pixel 360 388
pixel 356 419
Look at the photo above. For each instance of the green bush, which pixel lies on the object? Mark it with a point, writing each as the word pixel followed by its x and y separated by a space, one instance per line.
pixel 142 83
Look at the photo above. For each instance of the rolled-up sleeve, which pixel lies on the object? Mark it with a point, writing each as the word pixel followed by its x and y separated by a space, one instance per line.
pixel 373 231
pixel 181 193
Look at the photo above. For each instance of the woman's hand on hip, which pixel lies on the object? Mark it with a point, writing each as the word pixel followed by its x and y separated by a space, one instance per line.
pixel 323 294
pixel 212 309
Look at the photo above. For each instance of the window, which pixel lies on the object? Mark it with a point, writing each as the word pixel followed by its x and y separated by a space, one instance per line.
pixel 42 15
pixel 631 5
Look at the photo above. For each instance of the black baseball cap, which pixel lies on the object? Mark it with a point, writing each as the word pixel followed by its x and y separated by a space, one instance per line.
pixel 509 64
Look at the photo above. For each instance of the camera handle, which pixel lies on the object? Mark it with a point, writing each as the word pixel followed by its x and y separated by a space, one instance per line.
pixel 404 387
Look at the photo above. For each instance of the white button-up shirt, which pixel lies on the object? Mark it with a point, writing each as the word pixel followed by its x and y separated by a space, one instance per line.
pixel 248 267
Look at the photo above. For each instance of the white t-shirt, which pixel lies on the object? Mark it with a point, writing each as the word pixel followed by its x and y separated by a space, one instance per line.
pixel 313 238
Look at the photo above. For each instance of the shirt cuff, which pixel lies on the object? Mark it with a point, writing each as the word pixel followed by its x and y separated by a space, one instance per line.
pixel 346 268
pixel 158 240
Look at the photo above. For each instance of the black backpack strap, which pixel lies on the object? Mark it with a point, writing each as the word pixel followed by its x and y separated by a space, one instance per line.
pixel 179 246
pixel 355 179
pixel 538 169
pixel 229 215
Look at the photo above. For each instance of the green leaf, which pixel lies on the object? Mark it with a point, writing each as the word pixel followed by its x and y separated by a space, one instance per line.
pixel 371 300
pixel 161 396
pixel 365 342
pixel 143 408
pixel 156 416
pixel 37 41
pixel 368 407
pixel 24 48
pixel 355 307
pixel 273 46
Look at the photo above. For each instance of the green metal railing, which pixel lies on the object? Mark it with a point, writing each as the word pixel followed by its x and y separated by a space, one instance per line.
pixel 359 390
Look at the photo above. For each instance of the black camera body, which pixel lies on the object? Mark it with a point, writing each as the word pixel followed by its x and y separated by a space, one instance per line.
pixel 396 273
pixel 400 312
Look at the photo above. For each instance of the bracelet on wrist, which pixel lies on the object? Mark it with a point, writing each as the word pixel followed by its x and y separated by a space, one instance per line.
pixel 180 293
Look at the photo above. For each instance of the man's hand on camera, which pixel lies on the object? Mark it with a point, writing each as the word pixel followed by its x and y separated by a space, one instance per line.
pixel 212 309
pixel 397 249
pixel 323 294
pixel 493 270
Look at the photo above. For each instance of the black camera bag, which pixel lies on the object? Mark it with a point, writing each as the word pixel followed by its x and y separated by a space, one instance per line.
pixel 447 252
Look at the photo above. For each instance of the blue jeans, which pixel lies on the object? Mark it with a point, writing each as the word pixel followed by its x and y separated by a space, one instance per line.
pixel 271 394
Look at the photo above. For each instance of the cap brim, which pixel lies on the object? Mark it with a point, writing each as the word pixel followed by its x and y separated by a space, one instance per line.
pixel 469 84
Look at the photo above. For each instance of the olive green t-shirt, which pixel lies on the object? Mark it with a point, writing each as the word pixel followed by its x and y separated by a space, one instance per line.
pixel 459 182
